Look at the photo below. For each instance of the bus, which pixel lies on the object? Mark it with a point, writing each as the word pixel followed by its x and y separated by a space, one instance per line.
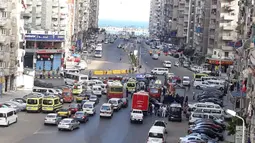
pixel 71 78
pixel 115 90
pixel 98 52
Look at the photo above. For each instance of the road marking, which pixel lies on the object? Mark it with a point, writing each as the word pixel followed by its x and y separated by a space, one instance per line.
pixel 37 130
pixel 44 132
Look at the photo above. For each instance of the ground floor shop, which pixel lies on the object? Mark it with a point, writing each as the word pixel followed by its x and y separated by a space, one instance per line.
pixel 43 61
pixel 219 65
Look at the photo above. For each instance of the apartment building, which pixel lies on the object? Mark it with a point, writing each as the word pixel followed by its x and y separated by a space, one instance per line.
pixel 10 38
pixel 86 18
pixel 45 23
pixel 215 30
pixel 155 18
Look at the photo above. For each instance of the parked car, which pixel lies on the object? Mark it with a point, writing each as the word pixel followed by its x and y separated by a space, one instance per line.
pixel 52 119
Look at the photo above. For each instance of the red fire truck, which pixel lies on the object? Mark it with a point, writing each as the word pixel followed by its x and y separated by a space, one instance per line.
pixel 140 100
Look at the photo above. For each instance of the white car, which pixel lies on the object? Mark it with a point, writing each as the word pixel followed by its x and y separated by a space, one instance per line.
pixel 203 85
pixel 189 139
pixel 116 103
pixel 52 119
pixel 68 124
pixel 167 64
pixel 155 56
pixel 136 115
pixel 185 81
pixel 160 123
pixel 89 108
pixel 177 64
pixel 106 110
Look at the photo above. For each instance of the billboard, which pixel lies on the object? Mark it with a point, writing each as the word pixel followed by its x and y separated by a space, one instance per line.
pixel 44 37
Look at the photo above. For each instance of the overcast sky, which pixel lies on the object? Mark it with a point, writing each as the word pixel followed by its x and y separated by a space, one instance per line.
pixel 135 10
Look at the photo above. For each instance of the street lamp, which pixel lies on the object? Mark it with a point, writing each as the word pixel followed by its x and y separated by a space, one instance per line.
pixel 233 113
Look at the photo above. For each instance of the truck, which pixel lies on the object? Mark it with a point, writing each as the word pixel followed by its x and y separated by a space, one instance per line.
pixel 140 101
pixel 136 116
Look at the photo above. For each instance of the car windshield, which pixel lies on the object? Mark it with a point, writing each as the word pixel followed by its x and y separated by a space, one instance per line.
pixel 138 112
pixel 66 94
pixel 105 108
pixel 73 105
pixel 66 121
pixel 116 89
pixel 2 115
pixel 87 106
pixel 174 109
pixel 79 114
pixel 131 84
pixel 93 97
pixel 51 116
pixel 31 101
pixel 63 110
pixel 159 123
pixel 156 135
pixel 153 90
pixel 113 102
pixel 47 102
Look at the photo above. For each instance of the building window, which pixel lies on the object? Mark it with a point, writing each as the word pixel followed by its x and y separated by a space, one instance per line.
pixel 3 14
pixel 214 52
pixel 226 54
pixel 3 31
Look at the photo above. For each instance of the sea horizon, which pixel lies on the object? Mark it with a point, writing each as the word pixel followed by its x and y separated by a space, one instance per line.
pixel 123 23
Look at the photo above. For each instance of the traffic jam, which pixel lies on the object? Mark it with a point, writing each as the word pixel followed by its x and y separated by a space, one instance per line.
pixel 72 105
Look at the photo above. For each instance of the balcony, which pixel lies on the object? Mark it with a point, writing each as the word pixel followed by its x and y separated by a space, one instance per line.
pixel 213 16
pixel 29 2
pixel 38 3
pixel 54 4
pixel 38 15
pixel 26 14
pixel 63 16
pixel 214 6
pixel 229 37
pixel 54 15
pixel 212 26
pixel 3 5
pixel 228 27
pixel 227 48
pixel 228 17
pixel 3 21
pixel 228 8
pixel 3 38
pixel 181 2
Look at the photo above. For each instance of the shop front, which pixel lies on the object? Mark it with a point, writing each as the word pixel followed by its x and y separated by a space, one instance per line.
pixel 217 64
pixel 48 61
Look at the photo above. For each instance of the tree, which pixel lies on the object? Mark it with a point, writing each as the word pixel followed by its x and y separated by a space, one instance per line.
pixel 231 128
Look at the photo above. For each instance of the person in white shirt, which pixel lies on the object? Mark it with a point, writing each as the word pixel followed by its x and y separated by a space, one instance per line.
pixel 164 111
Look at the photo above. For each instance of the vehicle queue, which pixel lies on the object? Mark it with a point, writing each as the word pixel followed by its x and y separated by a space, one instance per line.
pixel 145 90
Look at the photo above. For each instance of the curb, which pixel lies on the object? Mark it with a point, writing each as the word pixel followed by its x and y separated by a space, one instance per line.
pixel 38 77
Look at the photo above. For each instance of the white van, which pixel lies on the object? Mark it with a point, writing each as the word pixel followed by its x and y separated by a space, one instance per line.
pixel 106 110
pixel 208 105
pixel 45 90
pixel 156 135
pixel 89 108
pixel 98 82
pixel 160 71
pixel 97 90
pixel 195 116
pixel 98 52
pixel 8 116
pixel 71 78
pixel 214 112
pixel 62 73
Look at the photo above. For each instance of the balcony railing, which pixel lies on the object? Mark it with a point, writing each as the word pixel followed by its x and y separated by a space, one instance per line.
pixel 228 17
pixel 3 38
pixel 228 27
pixel 229 37
pixel 3 21
pixel 3 5
pixel 227 48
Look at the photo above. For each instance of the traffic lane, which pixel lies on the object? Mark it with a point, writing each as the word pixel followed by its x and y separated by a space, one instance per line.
pixel 96 130
pixel 27 124
pixel 176 130
pixel 55 82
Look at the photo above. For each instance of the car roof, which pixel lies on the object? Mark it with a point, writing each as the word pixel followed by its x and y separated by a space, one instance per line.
pixel 156 129
pixel 137 110
pixel 114 99
pixel 68 119
pixel 89 102
pixel 106 104
pixel 52 114
pixel 5 110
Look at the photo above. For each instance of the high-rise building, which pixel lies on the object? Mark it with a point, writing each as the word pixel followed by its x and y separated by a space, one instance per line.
pixel 45 23
pixel 155 18
pixel 215 30
pixel 10 37
pixel 86 18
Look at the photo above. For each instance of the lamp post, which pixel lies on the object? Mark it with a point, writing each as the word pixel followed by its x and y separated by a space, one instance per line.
pixel 233 113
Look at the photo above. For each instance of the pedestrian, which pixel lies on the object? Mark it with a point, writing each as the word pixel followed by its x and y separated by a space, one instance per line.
pixel 127 92
pixel 41 75
pixel 164 111
pixel 57 70
pixel 153 108
pixel 156 110
pixel 194 96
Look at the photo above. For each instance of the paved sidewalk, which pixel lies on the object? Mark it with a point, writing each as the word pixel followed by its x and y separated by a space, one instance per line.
pixel 14 94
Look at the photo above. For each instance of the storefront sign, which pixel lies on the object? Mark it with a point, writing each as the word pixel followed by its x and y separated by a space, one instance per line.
pixel 223 62
pixel 49 51
pixel 45 57
pixel 44 37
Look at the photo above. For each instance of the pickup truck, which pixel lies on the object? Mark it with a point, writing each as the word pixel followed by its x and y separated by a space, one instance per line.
pixel 136 116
